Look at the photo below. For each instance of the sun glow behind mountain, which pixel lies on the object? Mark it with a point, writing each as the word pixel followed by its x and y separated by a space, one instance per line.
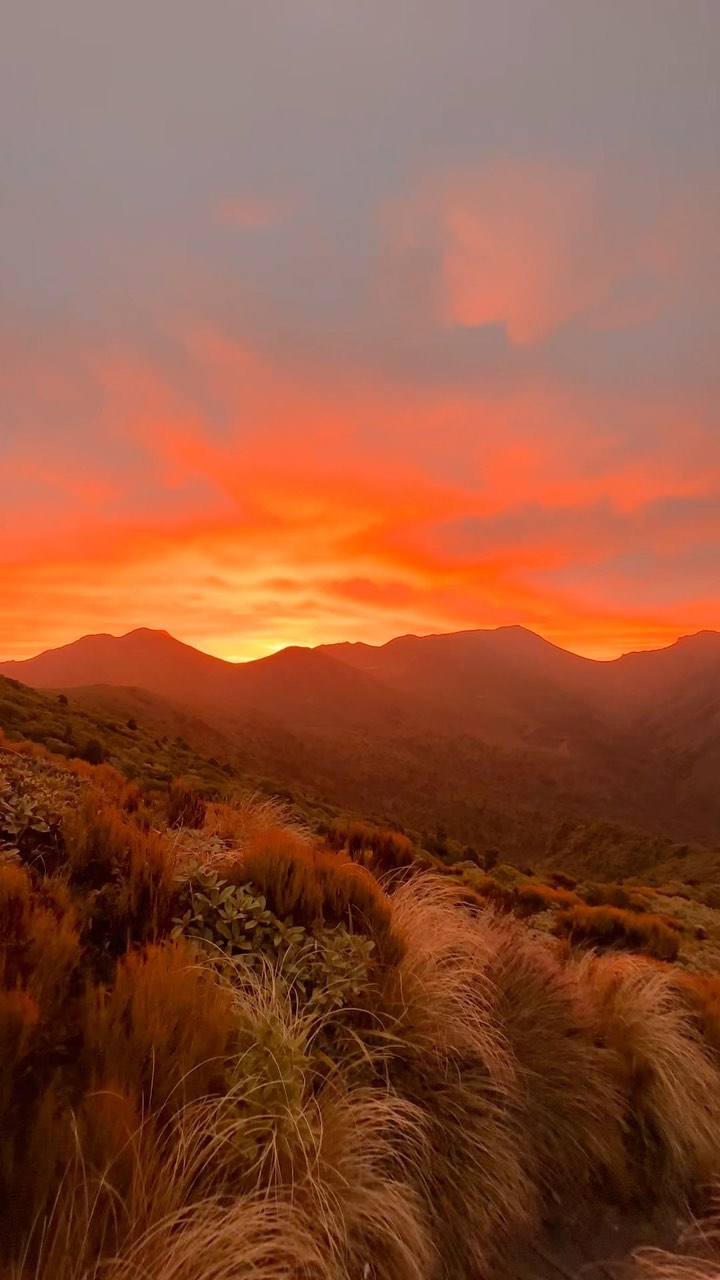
pixel 298 356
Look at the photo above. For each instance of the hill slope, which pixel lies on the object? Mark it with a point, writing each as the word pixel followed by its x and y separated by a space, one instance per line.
pixel 494 736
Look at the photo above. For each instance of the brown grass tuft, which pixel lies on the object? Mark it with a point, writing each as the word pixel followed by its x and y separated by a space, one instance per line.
pixel 445 1054
pixel 610 927
pixel 163 1032
pixel 670 1083
pixel 315 887
pixel 568 1106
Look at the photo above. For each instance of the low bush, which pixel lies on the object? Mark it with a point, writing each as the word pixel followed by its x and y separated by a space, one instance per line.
pixel 379 849
pixel 609 927
pixel 561 880
pixel 614 895
pixel 307 886
pixel 530 899
pixel 127 870
pixel 164 1032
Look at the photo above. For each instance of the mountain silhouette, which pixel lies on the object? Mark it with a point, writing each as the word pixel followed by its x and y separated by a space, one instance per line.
pixel 507 686
pixel 494 730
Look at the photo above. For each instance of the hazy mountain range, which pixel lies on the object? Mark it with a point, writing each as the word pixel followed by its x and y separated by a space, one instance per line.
pixel 450 728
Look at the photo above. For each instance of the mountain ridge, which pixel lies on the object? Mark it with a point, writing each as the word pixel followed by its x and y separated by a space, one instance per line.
pixel 451 728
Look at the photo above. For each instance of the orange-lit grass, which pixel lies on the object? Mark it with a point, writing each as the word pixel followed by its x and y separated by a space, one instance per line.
pixel 40 942
pixel 378 848
pixel 568 1104
pixel 103 845
pixel 313 886
pixel 444 1052
pixel 669 1082
pixel 318 1180
pixel 700 1259
pixel 164 1031
pixel 249 816
pixel 612 927
pixel 702 991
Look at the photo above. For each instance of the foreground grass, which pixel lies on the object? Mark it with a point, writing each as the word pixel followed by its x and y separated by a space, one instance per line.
pixel 227 1050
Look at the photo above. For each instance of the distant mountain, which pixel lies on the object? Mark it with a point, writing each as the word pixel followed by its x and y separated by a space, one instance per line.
pixel 493 732
pixel 508 686
pixel 301 686
pixel 691 663
pixel 150 659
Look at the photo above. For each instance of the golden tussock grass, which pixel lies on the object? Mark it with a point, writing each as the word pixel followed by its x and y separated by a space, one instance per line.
pixel 568 1105
pixel 314 886
pixel 446 1055
pixel 611 927
pixel 669 1081
pixel 702 992
pixel 199 1196
pixel 250 815
pixel 163 1031
pixel 104 847
pixel 165 1116
pixel 40 942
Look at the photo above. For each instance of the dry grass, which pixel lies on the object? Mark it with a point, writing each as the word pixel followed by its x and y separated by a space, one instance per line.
pixel 40 942
pixel 316 1178
pixel 163 1032
pixel 568 1105
pixel 446 1055
pixel 702 991
pixel 249 816
pixel 314 887
pixel 670 1084
pixel 106 849
pixel 611 927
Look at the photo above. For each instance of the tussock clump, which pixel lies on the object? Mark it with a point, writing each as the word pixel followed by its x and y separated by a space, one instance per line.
pixel 312 886
pixel 185 806
pixel 610 927
pixel 357 1185
pixel 238 821
pixel 568 1106
pixel 40 942
pixel 445 1054
pixel 317 1177
pixel 251 1237
pixel 670 1084
pixel 131 868
pixel 165 1029
pixel 702 993
pixel 381 850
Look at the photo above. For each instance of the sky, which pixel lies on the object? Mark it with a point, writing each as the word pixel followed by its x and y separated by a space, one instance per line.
pixel 336 320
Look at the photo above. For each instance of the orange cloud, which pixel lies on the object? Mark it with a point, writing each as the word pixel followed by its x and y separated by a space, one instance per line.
pixel 533 248
pixel 245 501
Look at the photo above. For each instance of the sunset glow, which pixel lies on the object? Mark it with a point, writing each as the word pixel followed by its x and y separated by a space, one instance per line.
pixel 406 336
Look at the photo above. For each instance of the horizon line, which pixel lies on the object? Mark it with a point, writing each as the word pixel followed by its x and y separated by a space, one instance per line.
pixel 235 661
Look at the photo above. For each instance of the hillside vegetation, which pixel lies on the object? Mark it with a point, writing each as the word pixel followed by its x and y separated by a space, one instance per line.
pixel 494 737
pixel 232 1046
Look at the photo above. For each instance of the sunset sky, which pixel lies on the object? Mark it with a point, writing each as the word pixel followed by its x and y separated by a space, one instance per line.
pixel 341 319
